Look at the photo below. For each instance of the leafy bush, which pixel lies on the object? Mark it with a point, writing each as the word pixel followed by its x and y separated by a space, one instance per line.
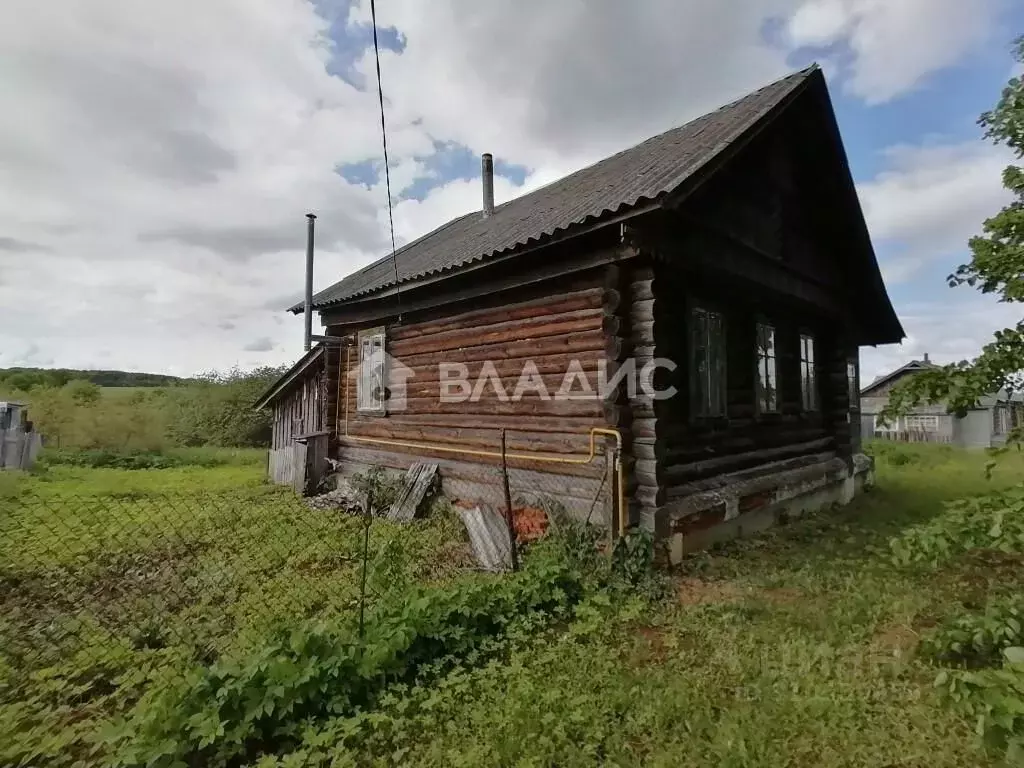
pixel 377 482
pixel 978 640
pixel 994 700
pixel 994 521
pixel 125 460
pixel 231 710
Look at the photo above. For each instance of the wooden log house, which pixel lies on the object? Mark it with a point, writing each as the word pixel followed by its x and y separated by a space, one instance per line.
pixel 733 247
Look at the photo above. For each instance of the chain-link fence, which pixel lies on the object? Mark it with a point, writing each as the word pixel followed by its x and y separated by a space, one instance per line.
pixel 107 595
pixel 541 493
pixel 104 598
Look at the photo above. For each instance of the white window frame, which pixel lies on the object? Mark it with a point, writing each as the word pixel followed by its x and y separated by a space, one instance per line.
pixel 921 422
pixel 808 373
pixel 708 350
pixel 371 379
pixel 767 380
pixel 878 426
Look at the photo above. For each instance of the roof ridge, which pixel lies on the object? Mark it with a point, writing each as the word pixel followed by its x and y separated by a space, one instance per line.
pixel 644 171
pixel 653 137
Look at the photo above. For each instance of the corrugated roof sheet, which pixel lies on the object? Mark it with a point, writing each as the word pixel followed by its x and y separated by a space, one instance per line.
pixel 630 178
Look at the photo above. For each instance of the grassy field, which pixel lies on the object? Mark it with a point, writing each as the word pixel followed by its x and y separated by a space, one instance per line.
pixel 799 647
pixel 111 579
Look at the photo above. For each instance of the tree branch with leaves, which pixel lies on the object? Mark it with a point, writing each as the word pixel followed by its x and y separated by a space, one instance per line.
pixel 996 267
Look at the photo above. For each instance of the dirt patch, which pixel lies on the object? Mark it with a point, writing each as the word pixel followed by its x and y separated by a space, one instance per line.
pixel 781 595
pixel 651 647
pixel 895 640
pixel 694 591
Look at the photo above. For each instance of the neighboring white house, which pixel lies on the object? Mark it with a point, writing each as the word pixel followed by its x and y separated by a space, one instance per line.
pixel 984 426
pixel 19 443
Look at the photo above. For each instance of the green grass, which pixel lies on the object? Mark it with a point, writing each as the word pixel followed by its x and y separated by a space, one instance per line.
pixel 795 648
pixel 798 647
pixel 112 579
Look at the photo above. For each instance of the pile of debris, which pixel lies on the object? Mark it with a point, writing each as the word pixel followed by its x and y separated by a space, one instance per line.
pixel 344 498
pixel 488 528
pixel 418 485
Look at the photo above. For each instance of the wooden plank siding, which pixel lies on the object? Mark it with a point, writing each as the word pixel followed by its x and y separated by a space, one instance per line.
pixel 554 325
pixel 303 409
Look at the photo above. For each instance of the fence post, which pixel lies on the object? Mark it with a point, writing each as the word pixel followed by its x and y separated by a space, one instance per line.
pixel 509 521
pixel 367 519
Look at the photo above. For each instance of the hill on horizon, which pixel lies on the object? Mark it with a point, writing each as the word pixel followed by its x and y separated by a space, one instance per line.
pixel 26 378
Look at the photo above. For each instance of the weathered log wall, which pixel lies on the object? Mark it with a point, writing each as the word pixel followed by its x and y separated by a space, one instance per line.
pixel 689 451
pixel 557 326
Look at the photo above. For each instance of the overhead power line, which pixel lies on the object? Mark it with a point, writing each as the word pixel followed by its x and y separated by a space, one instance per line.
pixel 384 141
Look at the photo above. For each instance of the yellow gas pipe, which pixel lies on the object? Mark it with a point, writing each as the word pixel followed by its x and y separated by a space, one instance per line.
pixel 594 432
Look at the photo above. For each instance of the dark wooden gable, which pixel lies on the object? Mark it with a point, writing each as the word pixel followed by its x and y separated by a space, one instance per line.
pixel 768 200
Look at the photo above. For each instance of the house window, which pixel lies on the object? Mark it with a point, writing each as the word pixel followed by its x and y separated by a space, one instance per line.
pixel 888 426
pixel 707 363
pixel 767 370
pixel 370 390
pixel 808 376
pixel 921 423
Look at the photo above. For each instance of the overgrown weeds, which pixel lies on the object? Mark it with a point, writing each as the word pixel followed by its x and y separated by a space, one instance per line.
pixel 993 521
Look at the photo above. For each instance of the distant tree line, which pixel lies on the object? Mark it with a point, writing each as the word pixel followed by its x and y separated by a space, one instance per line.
pixel 211 409
pixel 25 379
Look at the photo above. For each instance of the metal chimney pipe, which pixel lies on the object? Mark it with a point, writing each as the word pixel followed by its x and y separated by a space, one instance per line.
pixel 487 172
pixel 309 281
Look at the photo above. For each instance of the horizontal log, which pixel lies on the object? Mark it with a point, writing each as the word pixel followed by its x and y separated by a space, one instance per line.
pixel 488 488
pixel 468 466
pixel 612 300
pixel 720 479
pixel 483 439
pixel 650 496
pixel 642 290
pixel 500 333
pixel 612 325
pixel 646 471
pixel 490 405
pixel 579 384
pixel 686 445
pixel 644 427
pixel 648 448
pixel 615 348
pixel 568 345
pixel 487 421
pixel 642 312
pixel 544 306
pixel 587 360
pixel 682 473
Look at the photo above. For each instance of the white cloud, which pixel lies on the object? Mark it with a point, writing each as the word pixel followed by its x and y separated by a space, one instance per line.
pixel 930 200
pixel 894 45
pixel 921 210
pixel 950 327
pixel 563 84
pixel 155 173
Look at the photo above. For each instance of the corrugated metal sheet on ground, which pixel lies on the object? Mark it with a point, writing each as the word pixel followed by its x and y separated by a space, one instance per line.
pixel 420 479
pixel 488 535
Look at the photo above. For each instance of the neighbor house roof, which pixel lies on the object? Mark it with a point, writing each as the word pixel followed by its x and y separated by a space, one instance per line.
pixel 628 180
pixel 290 376
pixel 987 401
pixel 913 365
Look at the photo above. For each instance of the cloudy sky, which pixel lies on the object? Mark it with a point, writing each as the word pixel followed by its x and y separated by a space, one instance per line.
pixel 156 159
